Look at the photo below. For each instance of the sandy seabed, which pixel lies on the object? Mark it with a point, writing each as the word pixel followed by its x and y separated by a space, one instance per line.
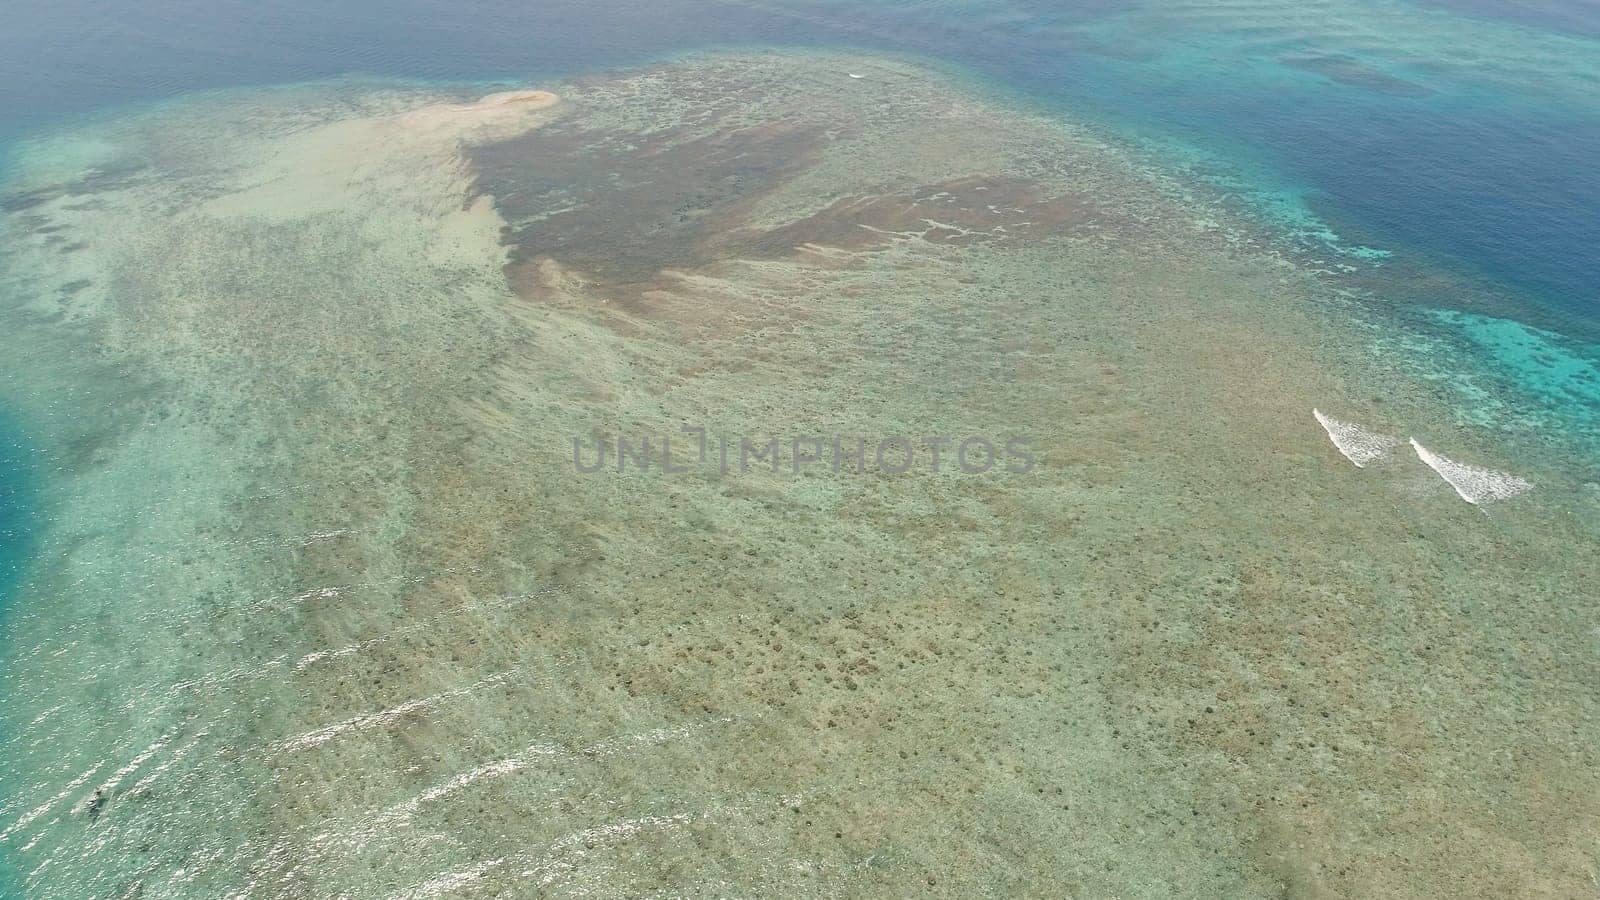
pixel 325 609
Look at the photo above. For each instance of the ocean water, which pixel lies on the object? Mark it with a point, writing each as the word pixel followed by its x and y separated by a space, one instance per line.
pixel 300 332
pixel 1477 135
pixel 19 509
pixel 1463 136
pixel 17 504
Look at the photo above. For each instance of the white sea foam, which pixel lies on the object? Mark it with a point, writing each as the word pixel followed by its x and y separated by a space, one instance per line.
pixel 1359 444
pixel 1474 484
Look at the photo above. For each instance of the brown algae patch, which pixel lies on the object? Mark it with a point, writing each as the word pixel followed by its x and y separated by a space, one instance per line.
pixel 387 642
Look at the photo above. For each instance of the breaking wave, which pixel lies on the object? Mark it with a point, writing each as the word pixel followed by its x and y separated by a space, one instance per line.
pixel 1358 443
pixel 1474 484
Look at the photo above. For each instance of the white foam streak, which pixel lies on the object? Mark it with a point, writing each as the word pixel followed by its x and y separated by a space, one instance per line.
pixel 1359 444
pixel 1475 485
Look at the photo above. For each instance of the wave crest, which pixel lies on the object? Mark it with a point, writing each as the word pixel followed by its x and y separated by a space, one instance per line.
pixel 1474 484
pixel 1359 444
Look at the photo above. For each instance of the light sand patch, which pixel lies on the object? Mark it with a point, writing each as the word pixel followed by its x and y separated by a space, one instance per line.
pixel 505 109
pixel 334 165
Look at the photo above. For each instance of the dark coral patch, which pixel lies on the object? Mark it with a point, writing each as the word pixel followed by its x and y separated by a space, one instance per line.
pixel 624 210
pixel 623 206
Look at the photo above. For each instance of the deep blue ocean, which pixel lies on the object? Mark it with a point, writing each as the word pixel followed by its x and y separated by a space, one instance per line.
pixel 1502 179
pixel 1332 120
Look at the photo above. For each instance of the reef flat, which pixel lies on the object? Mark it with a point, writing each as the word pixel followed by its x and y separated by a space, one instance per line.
pixel 328 609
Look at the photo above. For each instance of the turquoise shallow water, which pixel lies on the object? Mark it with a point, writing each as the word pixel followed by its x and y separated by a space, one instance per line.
pixel 18 529
pixel 1379 140
pixel 1456 135
pixel 1470 138
pixel 1462 135
pixel 16 506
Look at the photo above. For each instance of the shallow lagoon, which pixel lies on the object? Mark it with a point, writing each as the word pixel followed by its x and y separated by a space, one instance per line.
pixel 325 608
pixel 321 605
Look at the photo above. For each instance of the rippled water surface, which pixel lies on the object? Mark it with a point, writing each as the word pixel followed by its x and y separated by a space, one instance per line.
pixel 302 595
